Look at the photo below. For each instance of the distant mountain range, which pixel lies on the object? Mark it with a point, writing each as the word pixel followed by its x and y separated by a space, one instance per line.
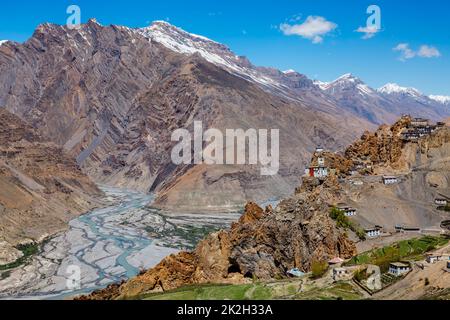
pixel 111 96
pixel 348 91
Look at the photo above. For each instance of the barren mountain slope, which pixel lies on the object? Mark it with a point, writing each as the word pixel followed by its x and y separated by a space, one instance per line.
pixel 112 98
pixel 423 170
pixel 41 188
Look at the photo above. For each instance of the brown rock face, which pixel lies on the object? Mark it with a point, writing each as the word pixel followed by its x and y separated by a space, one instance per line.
pixel 41 187
pixel 262 245
pixel 383 147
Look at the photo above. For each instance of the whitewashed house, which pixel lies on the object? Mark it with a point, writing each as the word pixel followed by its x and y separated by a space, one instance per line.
pixel 388 180
pixel 373 232
pixel 441 202
pixel 433 258
pixel 318 172
pixel 348 211
pixel 420 122
pixel 321 162
pixel 340 273
pixel 398 268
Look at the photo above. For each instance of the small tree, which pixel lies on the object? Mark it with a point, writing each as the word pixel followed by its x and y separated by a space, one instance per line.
pixel 318 268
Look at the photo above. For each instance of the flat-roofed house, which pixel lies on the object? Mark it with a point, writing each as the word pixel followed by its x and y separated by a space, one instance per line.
pixel 433 258
pixel 419 122
pixel 388 180
pixel 399 268
pixel 318 171
pixel 319 149
pixel 403 228
pixel 348 211
pixel 441 202
pixel 373 232
pixel 340 273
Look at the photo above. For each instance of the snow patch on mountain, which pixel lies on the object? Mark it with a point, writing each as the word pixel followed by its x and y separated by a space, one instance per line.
pixel 3 41
pixel 440 99
pixel 178 40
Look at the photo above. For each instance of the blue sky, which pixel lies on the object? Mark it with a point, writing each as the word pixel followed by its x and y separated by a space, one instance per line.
pixel 252 28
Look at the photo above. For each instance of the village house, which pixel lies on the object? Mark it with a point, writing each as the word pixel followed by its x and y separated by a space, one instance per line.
pixel 373 232
pixel 433 258
pixel 336 261
pixel 410 135
pixel 319 149
pixel 356 182
pixel 318 171
pixel 340 273
pixel 388 180
pixel 398 268
pixel 419 122
pixel 425 131
pixel 348 211
pixel 441 202
pixel 403 228
pixel 295 273
pixel 321 161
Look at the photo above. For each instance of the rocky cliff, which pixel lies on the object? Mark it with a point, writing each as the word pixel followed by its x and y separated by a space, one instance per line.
pixel 41 187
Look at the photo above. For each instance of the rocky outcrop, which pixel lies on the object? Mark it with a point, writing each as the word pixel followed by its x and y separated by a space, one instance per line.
pixel 41 187
pixel 382 147
pixel 264 244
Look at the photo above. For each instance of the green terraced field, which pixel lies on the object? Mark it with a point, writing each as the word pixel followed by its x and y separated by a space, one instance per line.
pixel 258 291
pixel 413 249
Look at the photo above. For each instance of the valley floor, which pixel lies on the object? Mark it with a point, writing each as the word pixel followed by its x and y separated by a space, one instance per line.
pixel 107 245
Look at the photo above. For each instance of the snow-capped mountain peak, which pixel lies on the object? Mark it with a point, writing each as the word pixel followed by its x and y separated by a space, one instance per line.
pixel 393 88
pixel 346 77
pixel 279 82
pixel 3 41
pixel 346 82
pixel 178 40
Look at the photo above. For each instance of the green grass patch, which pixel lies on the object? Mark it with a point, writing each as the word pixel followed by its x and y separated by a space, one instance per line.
pixel 318 269
pixel 413 249
pixel 336 291
pixel 215 292
pixel 28 251
pixel 344 222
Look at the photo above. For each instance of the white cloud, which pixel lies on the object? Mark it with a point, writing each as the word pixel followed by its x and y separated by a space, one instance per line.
pixel 369 32
pixel 423 52
pixel 314 28
pixel 405 50
pixel 428 52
